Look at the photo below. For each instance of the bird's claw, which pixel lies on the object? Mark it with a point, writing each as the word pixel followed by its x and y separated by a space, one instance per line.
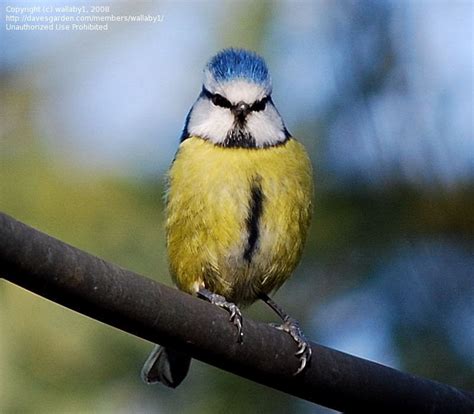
pixel 292 327
pixel 235 314
pixel 236 318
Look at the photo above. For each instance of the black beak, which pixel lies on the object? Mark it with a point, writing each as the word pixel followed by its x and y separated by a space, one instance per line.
pixel 240 110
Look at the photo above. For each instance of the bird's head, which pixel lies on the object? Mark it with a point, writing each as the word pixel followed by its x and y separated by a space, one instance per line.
pixel 235 108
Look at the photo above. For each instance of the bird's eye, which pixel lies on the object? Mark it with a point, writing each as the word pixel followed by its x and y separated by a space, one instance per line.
pixel 259 105
pixel 219 100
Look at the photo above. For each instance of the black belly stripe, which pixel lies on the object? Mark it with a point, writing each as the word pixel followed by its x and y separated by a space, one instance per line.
pixel 253 218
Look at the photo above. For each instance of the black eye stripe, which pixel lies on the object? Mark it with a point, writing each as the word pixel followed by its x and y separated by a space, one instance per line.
pixel 216 99
pixel 219 100
pixel 259 105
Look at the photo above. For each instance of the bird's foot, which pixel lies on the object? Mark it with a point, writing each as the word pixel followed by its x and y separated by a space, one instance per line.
pixel 235 314
pixel 292 327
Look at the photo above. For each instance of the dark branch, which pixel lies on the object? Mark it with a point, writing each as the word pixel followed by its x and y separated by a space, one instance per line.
pixel 149 310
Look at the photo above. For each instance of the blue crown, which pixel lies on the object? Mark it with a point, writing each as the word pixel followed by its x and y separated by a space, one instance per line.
pixel 233 63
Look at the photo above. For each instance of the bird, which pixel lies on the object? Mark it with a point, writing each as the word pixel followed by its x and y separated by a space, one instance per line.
pixel 238 202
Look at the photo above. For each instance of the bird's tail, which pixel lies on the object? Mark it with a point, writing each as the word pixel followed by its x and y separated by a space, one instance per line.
pixel 166 366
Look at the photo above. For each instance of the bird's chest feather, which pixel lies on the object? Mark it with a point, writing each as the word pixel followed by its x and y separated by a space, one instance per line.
pixel 236 218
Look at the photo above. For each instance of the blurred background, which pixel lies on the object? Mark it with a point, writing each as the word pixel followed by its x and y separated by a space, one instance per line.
pixel 381 94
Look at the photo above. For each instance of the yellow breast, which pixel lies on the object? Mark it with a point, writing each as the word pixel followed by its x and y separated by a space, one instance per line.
pixel 237 218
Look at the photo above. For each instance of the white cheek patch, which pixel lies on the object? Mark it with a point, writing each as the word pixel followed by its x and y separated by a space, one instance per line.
pixel 266 126
pixel 210 121
pixel 214 123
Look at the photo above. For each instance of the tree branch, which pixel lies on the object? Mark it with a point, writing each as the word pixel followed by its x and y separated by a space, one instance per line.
pixel 149 310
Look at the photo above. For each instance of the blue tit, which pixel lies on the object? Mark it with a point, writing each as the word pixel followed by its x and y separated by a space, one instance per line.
pixel 239 201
